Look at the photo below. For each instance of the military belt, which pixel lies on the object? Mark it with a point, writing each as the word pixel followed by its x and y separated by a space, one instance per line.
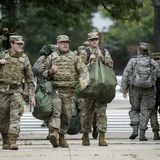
pixel 8 87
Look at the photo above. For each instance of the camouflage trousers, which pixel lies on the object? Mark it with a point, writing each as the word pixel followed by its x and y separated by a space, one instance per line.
pixel 80 102
pixel 142 105
pixel 62 108
pixel 154 117
pixel 90 107
pixel 11 109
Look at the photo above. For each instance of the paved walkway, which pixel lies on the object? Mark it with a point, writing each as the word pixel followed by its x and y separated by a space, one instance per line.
pixel 36 147
pixel 118 149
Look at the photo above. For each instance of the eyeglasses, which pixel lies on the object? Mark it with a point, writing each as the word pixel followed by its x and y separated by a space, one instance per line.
pixel 94 39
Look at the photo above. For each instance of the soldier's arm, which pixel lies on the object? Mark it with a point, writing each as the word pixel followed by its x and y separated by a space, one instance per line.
pixel 83 56
pixel 82 69
pixel 29 79
pixel 127 74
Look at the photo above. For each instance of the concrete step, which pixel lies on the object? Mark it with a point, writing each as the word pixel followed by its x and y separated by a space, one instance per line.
pixel 117 121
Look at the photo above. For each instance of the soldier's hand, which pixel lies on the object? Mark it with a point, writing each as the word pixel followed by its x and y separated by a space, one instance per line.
pixel 32 101
pixel 125 94
pixel 53 69
pixel 83 83
pixel 3 61
pixel 92 57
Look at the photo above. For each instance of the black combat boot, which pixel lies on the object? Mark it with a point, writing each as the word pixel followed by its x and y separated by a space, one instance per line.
pixel 142 136
pixel 156 135
pixel 134 133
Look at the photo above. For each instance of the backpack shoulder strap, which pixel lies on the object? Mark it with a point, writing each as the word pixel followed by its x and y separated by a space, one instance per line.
pixel 103 50
pixel 88 53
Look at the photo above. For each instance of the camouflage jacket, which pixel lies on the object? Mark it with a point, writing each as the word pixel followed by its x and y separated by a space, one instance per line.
pixel 128 73
pixel 15 73
pixel 70 68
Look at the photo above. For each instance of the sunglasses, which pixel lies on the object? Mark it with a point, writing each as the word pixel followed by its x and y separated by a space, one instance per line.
pixel 19 44
pixel 157 59
pixel 94 39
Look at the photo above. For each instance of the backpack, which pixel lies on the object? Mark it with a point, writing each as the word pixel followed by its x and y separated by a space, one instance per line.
pixel 143 75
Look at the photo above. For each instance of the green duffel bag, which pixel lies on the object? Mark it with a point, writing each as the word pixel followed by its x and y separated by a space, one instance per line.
pixel 43 107
pixel 102 86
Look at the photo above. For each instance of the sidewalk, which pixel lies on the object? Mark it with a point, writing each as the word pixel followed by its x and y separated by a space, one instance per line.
pixel 36 147
pixel 118 149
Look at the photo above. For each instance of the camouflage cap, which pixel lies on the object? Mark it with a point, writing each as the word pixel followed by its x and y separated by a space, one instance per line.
pixel 144 45
pixel 155 55
pixel 92 35
pixel 16 38
pixel 63 38
pixel 5 29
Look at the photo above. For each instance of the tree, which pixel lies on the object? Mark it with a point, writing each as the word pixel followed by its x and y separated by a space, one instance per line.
pixel 125 35
pixel 156 5
pixel 67 12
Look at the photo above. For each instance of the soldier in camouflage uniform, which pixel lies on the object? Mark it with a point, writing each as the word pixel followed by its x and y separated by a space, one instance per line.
pixel 154 114
pixel 65 68
pixel 142 99
pixel 15 69
pixel 3 39
pixel 38 67
pixel 92 107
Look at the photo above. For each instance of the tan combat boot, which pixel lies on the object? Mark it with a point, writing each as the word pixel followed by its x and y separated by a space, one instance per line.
pixel 85 139
pixel 5 140
pixel 62 141
pixel 102 141
pixel 12 141
pixel 54 137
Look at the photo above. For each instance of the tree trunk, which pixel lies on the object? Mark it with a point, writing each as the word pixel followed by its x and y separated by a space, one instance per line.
pixel 156 5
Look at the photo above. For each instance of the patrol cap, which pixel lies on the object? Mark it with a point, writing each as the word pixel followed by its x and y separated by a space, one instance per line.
pixel 16 38
pixel 155 55
pixel 63 38
pixel 93 35
pixel 144 46
pixel 5 29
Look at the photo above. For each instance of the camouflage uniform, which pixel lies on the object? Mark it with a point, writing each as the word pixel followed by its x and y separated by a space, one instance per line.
pixel 91 106
pixel 142 100
pixel 70 68
pixel 13 74
pixel 3 39
pixel 154 114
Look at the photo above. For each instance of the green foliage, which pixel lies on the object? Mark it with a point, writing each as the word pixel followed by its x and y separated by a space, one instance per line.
pixel 124 36
pixel 41 21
